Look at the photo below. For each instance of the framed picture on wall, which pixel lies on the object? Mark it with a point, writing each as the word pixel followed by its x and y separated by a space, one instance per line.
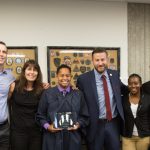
pixel 78 58
pixel 17 56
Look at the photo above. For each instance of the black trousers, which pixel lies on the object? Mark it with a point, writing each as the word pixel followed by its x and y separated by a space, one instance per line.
pixel 4 136
pixel 26 140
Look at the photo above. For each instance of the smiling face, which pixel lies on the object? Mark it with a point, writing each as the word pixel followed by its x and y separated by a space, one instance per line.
pixel 31 73
pixel 64 77
pixel 134 85
pixel 100 61
pixel 3 54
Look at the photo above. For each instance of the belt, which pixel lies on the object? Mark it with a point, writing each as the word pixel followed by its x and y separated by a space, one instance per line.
pixel 4 123
pixel 106 120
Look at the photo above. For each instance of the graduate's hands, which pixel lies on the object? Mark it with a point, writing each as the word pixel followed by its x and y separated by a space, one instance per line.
pixel 75 127
pixel 52 129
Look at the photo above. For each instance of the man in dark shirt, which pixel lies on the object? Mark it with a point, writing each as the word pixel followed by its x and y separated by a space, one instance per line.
pixel 146 87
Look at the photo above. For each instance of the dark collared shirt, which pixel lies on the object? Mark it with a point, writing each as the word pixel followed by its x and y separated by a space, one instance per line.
pixel 62 89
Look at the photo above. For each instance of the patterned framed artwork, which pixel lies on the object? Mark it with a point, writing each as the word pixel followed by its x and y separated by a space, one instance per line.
pixel 78 58
pixel 17 56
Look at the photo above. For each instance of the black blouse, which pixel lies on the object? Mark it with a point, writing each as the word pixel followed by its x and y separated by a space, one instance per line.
pixel 23 110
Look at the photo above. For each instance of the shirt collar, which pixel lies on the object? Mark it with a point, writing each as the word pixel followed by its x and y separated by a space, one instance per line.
pixel 3 72
pixel 62 89
pixel 99 75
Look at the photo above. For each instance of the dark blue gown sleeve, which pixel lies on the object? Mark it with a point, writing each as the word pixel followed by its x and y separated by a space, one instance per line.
pixel 41 116
pixel 83 118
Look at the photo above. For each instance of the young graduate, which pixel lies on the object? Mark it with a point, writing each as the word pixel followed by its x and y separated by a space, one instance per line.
pixel 52 102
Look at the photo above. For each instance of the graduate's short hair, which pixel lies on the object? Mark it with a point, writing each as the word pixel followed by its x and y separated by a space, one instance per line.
pixel 63 66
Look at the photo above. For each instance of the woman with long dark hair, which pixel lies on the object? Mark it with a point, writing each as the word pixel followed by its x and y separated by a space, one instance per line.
pixel 25 133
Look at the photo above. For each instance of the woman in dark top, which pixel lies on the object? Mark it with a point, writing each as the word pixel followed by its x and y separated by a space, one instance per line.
pixel 136 107
pixel 26 134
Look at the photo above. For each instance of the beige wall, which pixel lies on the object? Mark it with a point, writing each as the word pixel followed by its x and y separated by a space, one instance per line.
pixel 65 23
pixel 139 40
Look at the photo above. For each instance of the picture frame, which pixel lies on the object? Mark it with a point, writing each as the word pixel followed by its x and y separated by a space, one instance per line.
pixel 17 56
pixel 78 58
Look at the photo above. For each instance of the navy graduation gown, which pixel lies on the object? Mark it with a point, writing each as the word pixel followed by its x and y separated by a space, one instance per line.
pixel 53 101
